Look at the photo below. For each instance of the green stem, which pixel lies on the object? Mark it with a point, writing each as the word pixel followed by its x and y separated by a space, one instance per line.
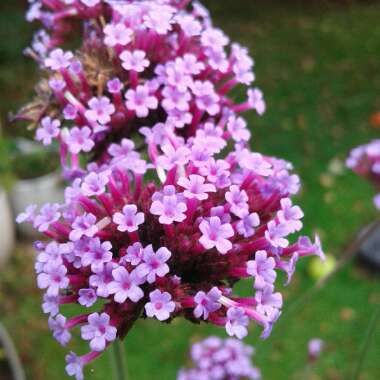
pixel 367 342
pixel 119 358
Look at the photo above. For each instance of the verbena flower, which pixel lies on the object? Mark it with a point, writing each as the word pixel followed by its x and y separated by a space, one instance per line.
pixel 214 358
pixel 141 65
pixel 139 238
pixel 365 161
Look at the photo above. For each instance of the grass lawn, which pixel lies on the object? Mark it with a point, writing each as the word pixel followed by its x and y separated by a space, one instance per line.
pixel 320 71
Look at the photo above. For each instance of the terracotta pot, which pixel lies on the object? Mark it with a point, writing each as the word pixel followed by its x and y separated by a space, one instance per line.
pixel 7 228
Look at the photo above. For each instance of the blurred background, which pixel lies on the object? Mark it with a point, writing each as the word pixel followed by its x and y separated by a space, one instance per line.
pixel 319 67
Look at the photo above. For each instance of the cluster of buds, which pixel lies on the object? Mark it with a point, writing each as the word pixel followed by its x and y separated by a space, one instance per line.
pixel 169 238
pixel 365 161
pixel 142 65
pixel 214 358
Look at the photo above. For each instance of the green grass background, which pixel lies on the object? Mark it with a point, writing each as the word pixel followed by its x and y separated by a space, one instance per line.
pixel 319 68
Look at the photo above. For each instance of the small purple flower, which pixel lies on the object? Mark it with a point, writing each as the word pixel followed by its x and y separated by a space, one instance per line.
pixel 169 208
pixel 87 297
pixel 70 112
pixel 123 150
pixel 94 184
pixel 175 99
pixel 134 254
pixel 50 305
pixel 53 278
pixel 195 187
pixel 237 127
pixel 154 264
pixel 290 215
pixel 173 157
pixel 237 199
pixel 48 130
pixel 98 331
pixel 28 215
pixel 140 101
pixel 256 100
pixel 114 86
pixel 206 97
pixel 262 269
pixel 58 326
pixel 160 305
pixel 49 214
pixel 207 302
pixel 74 366
pixel 102 279
pixel 276 233
pixel 117 34
pixel 237 322
pixel 315 348
pixel 58 59
pixel 215 234
pixel 135 60
pixel 129 220
pixel 256 163
pixel 84 225
pixel 246 226
pixel 125 285
pixel 98 253
pixel 100 110
pixel 268 302
pixel 79 139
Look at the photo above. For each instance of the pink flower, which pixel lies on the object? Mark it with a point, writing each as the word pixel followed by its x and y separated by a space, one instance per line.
pixel 98 253
pixel 237 199
pixel 246 226
pixel 117 34
pixel 100 110
pixel 84 225
pixel 53 278
pixel 154 264
pixel 58 59
pixel 134 254
pixel 94 184
pixel 135 60
pixel 237 322
pixel 79 139
pixel 125 285
pixel 237 127
pixel 48 130
pixel 98 331
pixel 215 234
pixel 160 305
pixel 173 157
pixel 195 187
pixel 140 101
pixel 129 220
pixel 276 234
pixel 169 208
pixel 207 302
pixel 290 215
pixel 262 269
pixel 206 97
pixel 256 100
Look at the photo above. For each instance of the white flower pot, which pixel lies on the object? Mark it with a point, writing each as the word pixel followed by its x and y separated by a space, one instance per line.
pixel 38 191
pixel 7 228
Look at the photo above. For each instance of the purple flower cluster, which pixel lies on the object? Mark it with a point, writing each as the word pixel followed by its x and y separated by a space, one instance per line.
pixel 170 208
pixel 142 66
pixel 365 161
pixel 168 238
pixel 214 358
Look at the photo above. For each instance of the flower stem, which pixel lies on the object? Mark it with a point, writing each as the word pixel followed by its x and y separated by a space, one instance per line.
pixel 119 361
pixel 367 342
